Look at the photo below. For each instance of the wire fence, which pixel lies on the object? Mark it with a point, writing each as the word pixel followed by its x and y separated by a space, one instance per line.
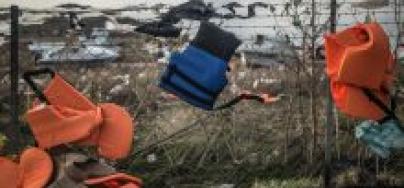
pixel 176 144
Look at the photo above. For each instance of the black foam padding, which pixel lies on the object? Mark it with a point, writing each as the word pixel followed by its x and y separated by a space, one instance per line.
pixel 216 41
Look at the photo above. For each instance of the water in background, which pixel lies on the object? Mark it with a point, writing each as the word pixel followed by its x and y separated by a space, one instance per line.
pixel 41 4
pixel 266 22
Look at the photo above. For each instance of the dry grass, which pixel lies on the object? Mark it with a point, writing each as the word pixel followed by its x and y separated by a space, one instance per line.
pixel 250 145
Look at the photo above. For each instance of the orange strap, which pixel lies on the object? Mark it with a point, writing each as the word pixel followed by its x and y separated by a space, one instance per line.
pixel 263 98
pixel 118 180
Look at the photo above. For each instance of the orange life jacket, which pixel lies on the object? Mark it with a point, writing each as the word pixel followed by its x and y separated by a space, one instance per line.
pixel 360 56
pixel 55 125
pixel 118 180
pixel 357 58
pixel 353 101
pixel 33 171
pixel 8 173
pixel 72 118
pixel 115 135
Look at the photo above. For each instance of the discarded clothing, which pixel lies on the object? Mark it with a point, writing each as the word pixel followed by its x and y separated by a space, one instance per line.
pixel 60 93
pixel 360 67
pixel 55 125
pixel 381 139
pixel 216 41
pixel 117 180
pixel 115 134
pixel 198 74
pixel 34 170
pixel 359 58
pixel 67 116
pixel 78 170
pixel 353 102
pixel 9 173
pixel 195 76
pixel 37 170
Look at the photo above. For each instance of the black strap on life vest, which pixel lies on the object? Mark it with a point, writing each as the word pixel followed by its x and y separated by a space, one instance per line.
pixel 245 96
pixel 390 114
pixel 238 99
pixel 28 77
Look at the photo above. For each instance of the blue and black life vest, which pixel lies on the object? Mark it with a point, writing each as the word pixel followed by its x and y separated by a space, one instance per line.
pixel 198 74
pixel 195 76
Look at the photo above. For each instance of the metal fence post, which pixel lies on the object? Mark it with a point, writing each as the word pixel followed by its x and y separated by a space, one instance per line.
pixel 329 120
pixel 14 130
